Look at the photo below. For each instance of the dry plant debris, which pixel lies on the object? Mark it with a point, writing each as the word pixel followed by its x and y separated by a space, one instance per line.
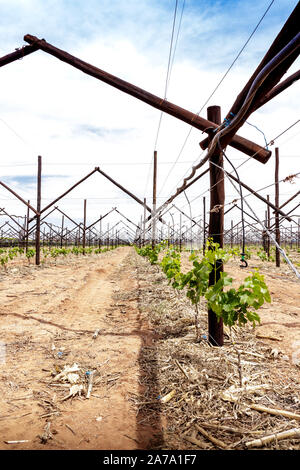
pixel 221 397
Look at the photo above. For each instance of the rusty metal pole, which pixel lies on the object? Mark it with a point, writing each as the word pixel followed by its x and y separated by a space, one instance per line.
pixel 204 226
pixel 154 199
pixel 216 225
pixel 100 231
pixel 180 232
pixel 50 238
pixel 144 221
pixel 22 236
pixel 268 227
pixel 27 228
pixel 38 217
pixel 194 120
pixel 277 229
pixel 141 232
pixel 84 226
pixel 62 231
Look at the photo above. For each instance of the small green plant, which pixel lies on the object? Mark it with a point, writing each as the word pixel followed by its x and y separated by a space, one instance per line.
pixel 150 253
pixel 171 265
pixel 238 305
pixel 262 255
pixel 234 306
pixel 75 250
pixel 4 261
pixel 30 254
pixel 54 253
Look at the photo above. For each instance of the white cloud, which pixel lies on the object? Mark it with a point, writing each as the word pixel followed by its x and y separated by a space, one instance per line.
pixel 76 122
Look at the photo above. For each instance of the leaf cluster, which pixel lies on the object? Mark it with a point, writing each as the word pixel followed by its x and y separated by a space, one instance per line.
pixel 233 305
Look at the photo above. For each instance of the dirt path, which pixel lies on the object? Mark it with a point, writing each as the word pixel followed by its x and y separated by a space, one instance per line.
pixel 47 319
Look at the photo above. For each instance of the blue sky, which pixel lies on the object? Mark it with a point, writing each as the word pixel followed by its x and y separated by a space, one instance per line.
pixel 76 122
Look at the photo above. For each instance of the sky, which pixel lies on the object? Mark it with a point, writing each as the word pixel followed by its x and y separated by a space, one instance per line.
pixel 76 122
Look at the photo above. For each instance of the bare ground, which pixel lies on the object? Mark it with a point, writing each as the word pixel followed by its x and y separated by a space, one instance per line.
pixel 48 317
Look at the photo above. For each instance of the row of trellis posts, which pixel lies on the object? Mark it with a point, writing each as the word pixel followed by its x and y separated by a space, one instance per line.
pixel 191 235
pixel 262 86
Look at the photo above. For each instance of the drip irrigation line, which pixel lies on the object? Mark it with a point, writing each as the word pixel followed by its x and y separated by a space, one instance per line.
pixel 265 229
pixel 259 130
pixel 228 127
pixel 218 85
pixel 231 126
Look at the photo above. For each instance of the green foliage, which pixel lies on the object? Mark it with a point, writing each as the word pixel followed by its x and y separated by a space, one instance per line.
pixel 150 253
pixel 30 253
pixel 3 261
pixel 171 265
pixel 233 305
pixel 11 253
pixel 238 305
pixel 262 255
pixel 75 250
pixel 54 252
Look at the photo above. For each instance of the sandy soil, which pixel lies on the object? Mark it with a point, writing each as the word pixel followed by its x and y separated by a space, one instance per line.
pixel 48 316
pixel 61 307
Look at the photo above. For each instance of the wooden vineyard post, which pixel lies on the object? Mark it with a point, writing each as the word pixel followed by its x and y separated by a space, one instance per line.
pixel 204 226
pixel 216 224
pixel 277 229
pixel 268 227
pixel 180 232
pixel 144 222
pixel 154 199
pixel 66 238
pixel 173 231
pixel 27 228
pixel 231 235
pixel 62 231
pixel 44 237
pixel 38 216
pixel 100 231
pixel 141 231
pixel 84 226
pixel 50 239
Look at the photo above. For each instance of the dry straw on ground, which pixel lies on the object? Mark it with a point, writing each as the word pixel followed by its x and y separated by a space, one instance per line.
pixel 234 397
